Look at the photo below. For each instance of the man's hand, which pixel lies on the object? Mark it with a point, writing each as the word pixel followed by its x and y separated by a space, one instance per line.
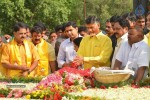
pixel 52 66
pixel 66 65
pixel 24 68
pixel 78 60
pixel 15 66
pixel 117 65
pixel 140 74
pixel 24 73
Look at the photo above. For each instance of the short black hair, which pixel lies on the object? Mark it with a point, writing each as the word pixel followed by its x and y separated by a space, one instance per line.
pixel 140 17
pixel 123 23
pixel 36 29
pixel 52 32
pixel 131 17
pixel 40 24
pixel 125 16
pixel 63 27
pixel 28 27
pixel 58 27
pixel 71 23
pixel 47 33
pixel 77 41
pixel 19 25
pixel 108 20
pixel 114 18
pixel 82 28
pixel 92 19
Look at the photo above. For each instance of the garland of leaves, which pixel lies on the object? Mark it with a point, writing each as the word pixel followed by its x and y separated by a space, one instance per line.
pixel 145 82
pixel 21 79
pixel 4 92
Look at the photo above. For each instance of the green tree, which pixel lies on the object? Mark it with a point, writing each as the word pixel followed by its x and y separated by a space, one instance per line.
pixel 12 11
pixel 54 12
pixel 77 11
pixel 49 12
pixel 104 9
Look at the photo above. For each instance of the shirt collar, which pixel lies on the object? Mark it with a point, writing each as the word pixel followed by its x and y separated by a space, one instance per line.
pixel 20 44
pixel 138 44
pixel 124 36
pixel 69 40
pixel 97 36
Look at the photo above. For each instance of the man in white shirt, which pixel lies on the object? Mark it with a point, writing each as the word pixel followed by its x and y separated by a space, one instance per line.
pixel 134 54
pixel 121 27
pixel 66 52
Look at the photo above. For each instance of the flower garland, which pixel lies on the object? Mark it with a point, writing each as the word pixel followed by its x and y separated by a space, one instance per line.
pixel 67 80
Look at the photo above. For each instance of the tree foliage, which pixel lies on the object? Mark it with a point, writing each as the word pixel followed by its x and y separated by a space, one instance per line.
pixel 54 12
pixel 104 9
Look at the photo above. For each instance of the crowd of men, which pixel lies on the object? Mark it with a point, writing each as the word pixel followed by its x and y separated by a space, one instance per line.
pixel 123 45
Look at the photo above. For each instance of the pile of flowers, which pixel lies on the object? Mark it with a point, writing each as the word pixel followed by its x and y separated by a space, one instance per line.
pixel 71 84
pixel 60 83
pixel 54 86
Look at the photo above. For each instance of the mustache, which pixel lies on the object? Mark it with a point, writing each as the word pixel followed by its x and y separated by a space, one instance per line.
pixel 106 30
pixel 22 37
pixel 37 39
pixel 115 33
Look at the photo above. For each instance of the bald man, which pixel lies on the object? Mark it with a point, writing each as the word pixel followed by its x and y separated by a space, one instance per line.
pixel 134 55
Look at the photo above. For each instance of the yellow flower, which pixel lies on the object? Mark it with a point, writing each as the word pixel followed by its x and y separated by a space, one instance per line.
pixel 61 88
pixel 41 87
pixel 42 96
pixel 28 97
pixel 56 87
pixel 46 93
pixel 33 92
pixel 37 92
pixel 80 90
pixel 34 95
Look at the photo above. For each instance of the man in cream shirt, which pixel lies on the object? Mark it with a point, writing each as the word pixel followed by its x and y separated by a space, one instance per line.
pixel 121 27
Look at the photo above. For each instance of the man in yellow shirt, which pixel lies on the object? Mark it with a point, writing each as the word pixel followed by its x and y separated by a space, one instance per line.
pixel 95 49
pixel 19 56
pixel 2 69
pixel 47 62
